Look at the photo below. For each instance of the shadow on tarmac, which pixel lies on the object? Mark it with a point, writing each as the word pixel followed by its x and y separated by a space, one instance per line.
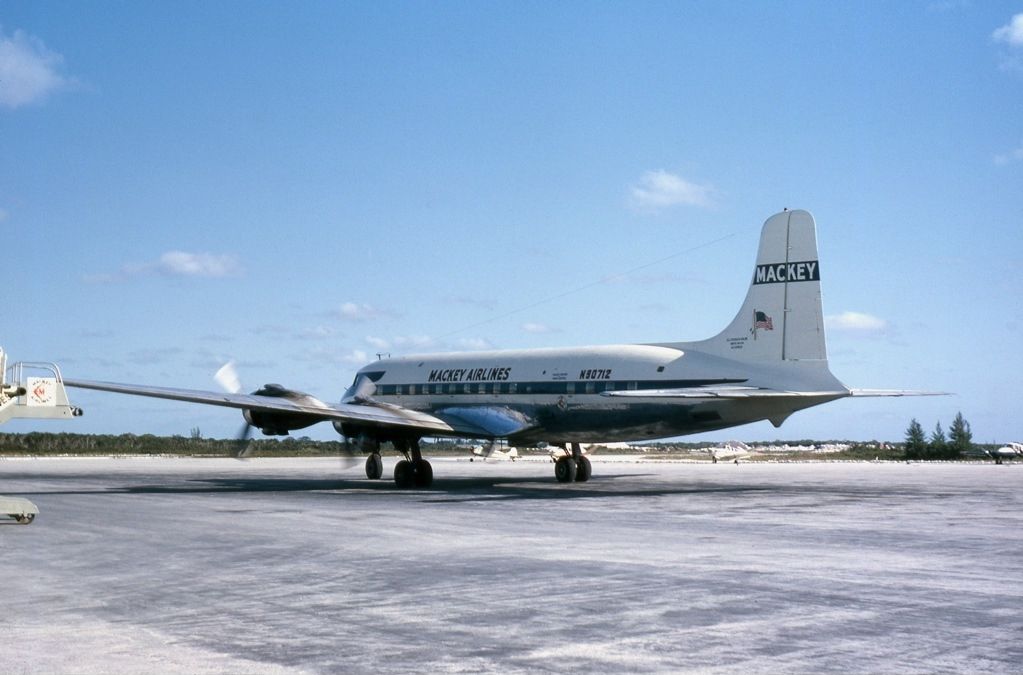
pixel 443 490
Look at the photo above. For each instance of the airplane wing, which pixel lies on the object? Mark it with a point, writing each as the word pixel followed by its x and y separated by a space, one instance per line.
pixel 360 413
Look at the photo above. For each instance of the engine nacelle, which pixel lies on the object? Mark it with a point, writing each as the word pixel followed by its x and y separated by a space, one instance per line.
pixel 365 439
pixel 280 423
pixel 277 424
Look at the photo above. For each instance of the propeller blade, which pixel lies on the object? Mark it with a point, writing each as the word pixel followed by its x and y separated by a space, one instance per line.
pixel 243 446
pixel 348 455
pixel 227 377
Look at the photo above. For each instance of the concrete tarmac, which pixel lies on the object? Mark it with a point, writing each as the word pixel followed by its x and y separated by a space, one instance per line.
pixel 295 566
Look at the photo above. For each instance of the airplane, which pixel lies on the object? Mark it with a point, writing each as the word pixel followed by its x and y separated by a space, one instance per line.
pixel 733 451
pixel 1009 451
pixel 768 363
pixel 490 451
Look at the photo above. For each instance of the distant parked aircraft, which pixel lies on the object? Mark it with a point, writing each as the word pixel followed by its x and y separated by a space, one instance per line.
pixel 491 451
pixel 732 451
pixel 1007 452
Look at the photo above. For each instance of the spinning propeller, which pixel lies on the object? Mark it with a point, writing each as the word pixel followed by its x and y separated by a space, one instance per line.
pixel 227 378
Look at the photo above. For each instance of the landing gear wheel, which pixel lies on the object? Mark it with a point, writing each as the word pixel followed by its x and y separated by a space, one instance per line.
pixel 374 466
pixel 565 470
pixel 423 473
pixel 583 470
pixel 404 474
pixel 25 518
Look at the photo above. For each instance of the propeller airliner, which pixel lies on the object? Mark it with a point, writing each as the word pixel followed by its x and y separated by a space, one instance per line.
pixel 768 363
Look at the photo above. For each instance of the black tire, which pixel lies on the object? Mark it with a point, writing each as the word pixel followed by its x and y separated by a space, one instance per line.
pixel 423 474
pixel 374 466
pixel 404 474
pixel 25 518
pixel 583 470
pixel 565 470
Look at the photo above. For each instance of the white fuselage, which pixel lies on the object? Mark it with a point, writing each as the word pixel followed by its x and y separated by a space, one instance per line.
pixel 564 392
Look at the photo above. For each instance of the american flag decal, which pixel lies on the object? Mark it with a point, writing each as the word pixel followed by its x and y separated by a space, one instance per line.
pixel 761 320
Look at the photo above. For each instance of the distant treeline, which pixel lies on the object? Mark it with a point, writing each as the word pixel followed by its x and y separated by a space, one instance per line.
pixel 42 443
pixel 958 443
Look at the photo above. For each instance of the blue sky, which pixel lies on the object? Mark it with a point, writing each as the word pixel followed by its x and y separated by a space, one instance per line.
pixel 298 186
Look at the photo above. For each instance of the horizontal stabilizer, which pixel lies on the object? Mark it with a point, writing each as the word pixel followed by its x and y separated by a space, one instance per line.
pixel 721 392
pixel 895 392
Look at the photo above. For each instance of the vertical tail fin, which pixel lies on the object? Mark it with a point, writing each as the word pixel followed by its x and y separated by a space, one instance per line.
pixel 781 318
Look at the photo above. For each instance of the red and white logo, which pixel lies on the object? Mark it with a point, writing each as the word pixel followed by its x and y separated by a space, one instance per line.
pixel 42 391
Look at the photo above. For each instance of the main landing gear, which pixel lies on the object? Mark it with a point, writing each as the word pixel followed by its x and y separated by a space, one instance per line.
pixel 413 471
pixel 573 468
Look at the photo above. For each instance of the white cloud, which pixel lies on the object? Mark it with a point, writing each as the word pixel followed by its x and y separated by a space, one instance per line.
pixel 1011 156
pixel 28 70
pixel 355 357
pixel 338 356
pixel 658 190
pixel 405 343
pixel 856 322
pixel 1011 33
pixel 475 344
pixel 176 264
pixel 533 327
pixel 377 342
pixel 184 264
pixel 354 311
